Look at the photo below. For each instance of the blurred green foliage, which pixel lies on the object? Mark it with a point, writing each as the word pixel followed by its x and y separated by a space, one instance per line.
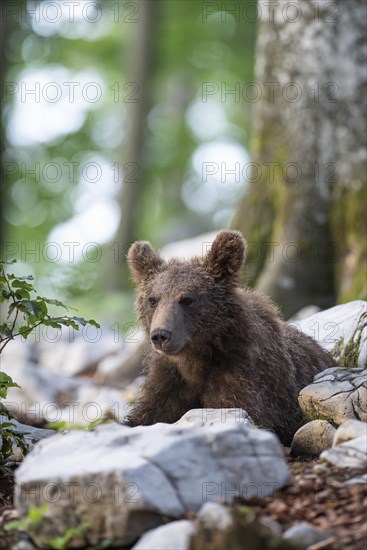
pixel 194 43
pixel 24 310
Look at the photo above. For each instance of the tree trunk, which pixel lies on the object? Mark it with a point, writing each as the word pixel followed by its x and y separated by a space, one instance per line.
pixel 9 22
pixel 3 64
pixel 304 212
pixel 141 69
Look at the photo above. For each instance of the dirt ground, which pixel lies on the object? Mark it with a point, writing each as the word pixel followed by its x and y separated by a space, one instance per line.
pixel 6 503
pixel 317 493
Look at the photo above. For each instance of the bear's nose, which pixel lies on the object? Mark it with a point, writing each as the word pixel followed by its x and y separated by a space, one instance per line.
pixel 160 337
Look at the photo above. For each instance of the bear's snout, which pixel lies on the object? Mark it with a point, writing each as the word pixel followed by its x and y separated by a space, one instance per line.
pixel 160 338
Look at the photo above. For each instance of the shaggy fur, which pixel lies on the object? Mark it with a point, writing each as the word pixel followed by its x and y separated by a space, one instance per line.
pixel 213 344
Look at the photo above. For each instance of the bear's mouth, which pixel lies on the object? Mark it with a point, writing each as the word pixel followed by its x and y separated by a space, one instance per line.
pixel 168 351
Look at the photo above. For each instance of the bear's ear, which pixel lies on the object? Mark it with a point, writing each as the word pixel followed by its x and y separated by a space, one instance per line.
pixel 143 261
pixel 226 256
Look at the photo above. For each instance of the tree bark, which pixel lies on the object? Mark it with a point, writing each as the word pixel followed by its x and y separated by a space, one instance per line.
pixel 8 23
pixel 304 212
pixel 3 67
pixel 133 170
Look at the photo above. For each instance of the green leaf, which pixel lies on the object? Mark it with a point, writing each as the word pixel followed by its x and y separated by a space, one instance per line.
pixel 53 302
pixel 24 331
pixel 34 309
pixel 68 323
pixel 6 379
pixel 12 306
pixel 20 441
pixel 80 320
pixel 84 322
pixel 18 524
pixel 5 330
pixel 6 382
pixel 21 284
pixel 36 514
pixel 22 294
pixel 94 323
pixel 42 305
pixel 4 411
pixel 60 543
pixel 4 390
pixel 7 425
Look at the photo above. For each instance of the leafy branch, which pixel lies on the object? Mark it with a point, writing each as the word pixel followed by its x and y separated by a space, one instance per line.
pixel 17 293
pixel 24 310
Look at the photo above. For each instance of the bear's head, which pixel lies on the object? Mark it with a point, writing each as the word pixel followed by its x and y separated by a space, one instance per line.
pixel 187 306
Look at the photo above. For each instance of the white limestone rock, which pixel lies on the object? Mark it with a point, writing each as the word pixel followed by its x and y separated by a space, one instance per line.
pixel 305 534
pixel 204 417
pixel 350 454
pixel 122 368
pixel 305 313
pixel 30 434
pixel 40 393
pixel 45 396
pixel 339 322
pixel 92 403
pixel 357 480
pixel 176 534
pixel 336 395
pixel 125 479
pixel 213 515
pixel 73 352
pixel 350 429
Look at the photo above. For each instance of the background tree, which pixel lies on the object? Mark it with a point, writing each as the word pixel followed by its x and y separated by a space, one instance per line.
pixel 308 194
pixel 141 70
pixel 2 146
pixel 168 49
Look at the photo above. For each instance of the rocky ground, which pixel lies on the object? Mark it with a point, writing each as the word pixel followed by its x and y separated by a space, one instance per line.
pixel 316 493
pixel 6 505
pixel 321 484
pixel 319 495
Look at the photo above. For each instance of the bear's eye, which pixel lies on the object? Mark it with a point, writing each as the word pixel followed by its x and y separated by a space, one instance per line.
pixel 152 302
pixel 186 301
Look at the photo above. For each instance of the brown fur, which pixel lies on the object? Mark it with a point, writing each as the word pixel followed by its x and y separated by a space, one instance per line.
pixel 213 344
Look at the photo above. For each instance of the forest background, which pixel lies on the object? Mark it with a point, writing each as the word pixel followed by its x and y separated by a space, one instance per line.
pixel 165 119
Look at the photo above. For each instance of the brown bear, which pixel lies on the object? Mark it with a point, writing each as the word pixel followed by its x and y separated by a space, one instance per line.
pixel 214 344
